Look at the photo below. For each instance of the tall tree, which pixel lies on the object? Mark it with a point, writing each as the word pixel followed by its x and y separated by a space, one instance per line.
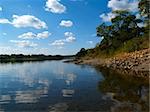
pixel 123 27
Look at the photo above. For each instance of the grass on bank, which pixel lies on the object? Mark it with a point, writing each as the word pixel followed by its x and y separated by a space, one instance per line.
pixel 134 44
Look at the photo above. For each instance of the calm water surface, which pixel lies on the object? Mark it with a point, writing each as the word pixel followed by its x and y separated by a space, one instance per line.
pixel 54 86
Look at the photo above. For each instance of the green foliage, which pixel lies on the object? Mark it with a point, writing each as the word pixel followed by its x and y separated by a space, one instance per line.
pixel 134 44
pixel 81 53
pixel 131 45
pixel 115 34
pixel 122 35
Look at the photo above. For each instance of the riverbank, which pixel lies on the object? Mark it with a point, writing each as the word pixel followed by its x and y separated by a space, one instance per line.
pixel 134 63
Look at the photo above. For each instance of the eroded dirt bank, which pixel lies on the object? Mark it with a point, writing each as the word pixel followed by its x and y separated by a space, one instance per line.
pixel 136 63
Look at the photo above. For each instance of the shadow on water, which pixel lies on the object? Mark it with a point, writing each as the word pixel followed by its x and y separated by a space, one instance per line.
pixel 131 94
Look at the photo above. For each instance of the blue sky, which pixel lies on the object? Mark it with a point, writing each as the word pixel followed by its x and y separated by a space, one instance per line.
pixel 54 26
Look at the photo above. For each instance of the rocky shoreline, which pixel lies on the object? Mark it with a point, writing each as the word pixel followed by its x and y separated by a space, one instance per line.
pixel 134 63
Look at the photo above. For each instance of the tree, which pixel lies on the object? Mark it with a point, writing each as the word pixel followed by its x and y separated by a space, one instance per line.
pixel 82 52
pixel 123 27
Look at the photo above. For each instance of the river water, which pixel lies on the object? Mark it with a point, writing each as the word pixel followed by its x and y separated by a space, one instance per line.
pixel 54 86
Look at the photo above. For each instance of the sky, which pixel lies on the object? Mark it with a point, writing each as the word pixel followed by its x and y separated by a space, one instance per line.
pixel 55 26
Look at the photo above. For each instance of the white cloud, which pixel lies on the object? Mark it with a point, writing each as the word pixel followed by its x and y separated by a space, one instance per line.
pixel 58 43
pixel 107 17
pixel 55 6
pixel 23 43
pixel 1 8
pixel 20 50
pixel 70 37
pixel 43 35
pixel 28 21
pixel 28 35
pixel 25 21
pixel 66 23
pixel 68 34
pixel 123 5
pixel 31 35
pixel 4 21
pixel 128 5
pixel 9 50
pixel 90 42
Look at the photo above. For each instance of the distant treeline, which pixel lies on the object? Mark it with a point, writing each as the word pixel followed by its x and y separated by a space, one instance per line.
pixel 22 58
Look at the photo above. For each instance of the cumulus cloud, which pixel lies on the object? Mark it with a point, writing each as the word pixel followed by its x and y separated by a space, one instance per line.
pixel 1 8
pixel 55 6
pixel 28 35
pixel 107 17
pixel 128 5
pixel 9 50
pixel 4 21
pixel 23 43
pixel 70 37
pixel 20 50
pixel 28 21
pixel 123 5
pixel 66 23
pixel 58 43
pixel 43 35
pixel 25 21
pixel 31 35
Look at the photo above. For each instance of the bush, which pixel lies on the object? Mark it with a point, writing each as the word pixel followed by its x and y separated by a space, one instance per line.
pixel 135 44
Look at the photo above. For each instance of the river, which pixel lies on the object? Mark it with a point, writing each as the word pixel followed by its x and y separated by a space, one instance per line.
pixel 54 86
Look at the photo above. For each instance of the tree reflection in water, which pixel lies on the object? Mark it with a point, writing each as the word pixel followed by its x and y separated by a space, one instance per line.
pixel 129 93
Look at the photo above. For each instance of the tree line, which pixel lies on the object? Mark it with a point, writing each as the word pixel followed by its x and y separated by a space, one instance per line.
pixel 34 57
